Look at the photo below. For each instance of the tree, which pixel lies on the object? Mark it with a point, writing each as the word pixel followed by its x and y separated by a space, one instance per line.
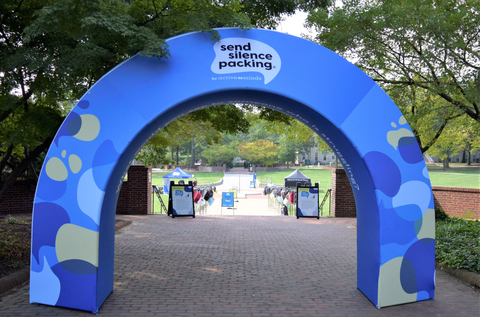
pixel 427 113
pixel 155 152
pixel 433 45
pixel 260 152
pixel 460 134
pixel 288 150
pixel 220 154
pixel 202 126
pixel 53 51
pixel 293 130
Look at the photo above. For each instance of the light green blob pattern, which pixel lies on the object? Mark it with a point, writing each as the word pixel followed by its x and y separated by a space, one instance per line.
pixel 56 170
pixel 90 128
pixel 427 229
pixel 77 243
pixel 394 136
pixel 75 163
pixel 390 291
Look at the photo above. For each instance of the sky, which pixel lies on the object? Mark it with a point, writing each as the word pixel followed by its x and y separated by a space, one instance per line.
pixel 293 25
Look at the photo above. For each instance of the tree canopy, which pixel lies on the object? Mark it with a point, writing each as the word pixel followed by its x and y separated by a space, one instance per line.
pixel 260 152
pixel 53 51
pixel 424 53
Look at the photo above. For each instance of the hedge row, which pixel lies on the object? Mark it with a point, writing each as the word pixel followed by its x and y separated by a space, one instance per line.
pixel 457 242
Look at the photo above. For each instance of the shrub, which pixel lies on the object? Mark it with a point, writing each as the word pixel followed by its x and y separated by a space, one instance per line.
pixel 18 265
pixel 12 247
pixel 11 220
pixel 440 215
pixel 458 243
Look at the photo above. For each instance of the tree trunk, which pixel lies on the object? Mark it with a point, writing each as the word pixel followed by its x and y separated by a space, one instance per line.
pixel 177 157
pixel 3 162
pixel 20 168
pixel 469 154
pixel 446 164
pixel 192 153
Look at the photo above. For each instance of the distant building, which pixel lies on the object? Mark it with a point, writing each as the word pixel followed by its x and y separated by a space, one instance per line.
pixel 314 156
pixel 238 160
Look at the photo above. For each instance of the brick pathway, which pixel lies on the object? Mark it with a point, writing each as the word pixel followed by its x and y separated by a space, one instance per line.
pixel 243 266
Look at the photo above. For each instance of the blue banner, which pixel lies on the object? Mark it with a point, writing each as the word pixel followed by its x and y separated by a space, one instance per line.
pixel 227 199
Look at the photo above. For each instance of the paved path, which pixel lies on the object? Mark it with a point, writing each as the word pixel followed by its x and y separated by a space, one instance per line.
pixel 243 266
pixel 250 201
pixel 239 181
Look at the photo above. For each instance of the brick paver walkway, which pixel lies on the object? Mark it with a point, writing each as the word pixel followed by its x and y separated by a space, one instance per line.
pixel 243 266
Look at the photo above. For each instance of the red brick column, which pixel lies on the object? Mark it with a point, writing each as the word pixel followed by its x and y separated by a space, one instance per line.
pixel 343 201
pixel 136 193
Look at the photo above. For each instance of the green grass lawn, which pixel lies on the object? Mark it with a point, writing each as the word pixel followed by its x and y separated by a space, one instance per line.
pixel 156 203
pixel 469 178
pixel 203 178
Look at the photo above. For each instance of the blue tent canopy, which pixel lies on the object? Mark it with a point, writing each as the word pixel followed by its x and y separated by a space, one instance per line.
pixel 177 173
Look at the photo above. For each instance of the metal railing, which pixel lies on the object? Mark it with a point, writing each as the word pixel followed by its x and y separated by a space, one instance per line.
pixel 274 204
pixel 159 191
pixel 328 195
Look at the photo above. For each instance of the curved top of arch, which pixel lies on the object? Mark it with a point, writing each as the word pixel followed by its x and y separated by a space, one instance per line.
pixel 142 94
pixel 92 150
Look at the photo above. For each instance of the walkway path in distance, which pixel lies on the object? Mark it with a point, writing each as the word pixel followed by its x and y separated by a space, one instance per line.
pixel 249 202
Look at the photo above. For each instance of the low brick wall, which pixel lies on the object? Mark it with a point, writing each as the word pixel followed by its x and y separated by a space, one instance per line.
pixel 455 201
pixel 19 198
pixel 211 168
pixel 458 202
pixel 285 166
pixel 266 169
pixel 135 195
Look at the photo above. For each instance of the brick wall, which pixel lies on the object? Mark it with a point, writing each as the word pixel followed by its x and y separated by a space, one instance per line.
pixel 136 193
pixel 458 202
pixel 135 196
pixel 343 201
pixel 266 169
pixel 211 168
pixel 19 198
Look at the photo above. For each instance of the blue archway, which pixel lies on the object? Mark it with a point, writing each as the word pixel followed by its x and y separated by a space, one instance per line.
pixel 74 208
